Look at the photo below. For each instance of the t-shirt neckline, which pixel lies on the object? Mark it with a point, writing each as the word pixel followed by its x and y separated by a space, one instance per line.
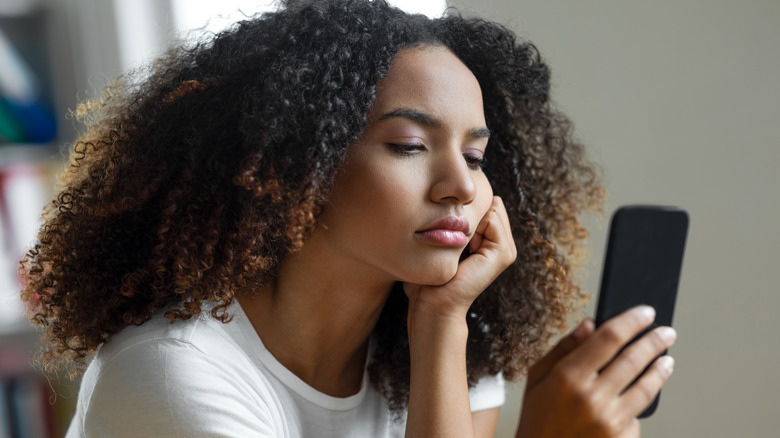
pixel 256 349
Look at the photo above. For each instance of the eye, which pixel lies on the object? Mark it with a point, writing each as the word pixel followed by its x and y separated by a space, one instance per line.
pixel 475 162
pixel 406 149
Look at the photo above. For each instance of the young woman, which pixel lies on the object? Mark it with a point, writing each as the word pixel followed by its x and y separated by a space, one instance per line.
pixel 333 220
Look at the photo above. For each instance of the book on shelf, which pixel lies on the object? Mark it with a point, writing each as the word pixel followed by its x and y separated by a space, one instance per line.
pixel 31 405
pixel 25 105
pixel 24 190
pixel 5 412
pixel 26 398
pixel 27 122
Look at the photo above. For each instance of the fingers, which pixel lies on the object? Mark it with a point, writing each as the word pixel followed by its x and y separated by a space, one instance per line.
pixel 475 242
pixel 492 251
pixel 590 378
pixel 621 376
pixel 496 248
pixel 494 232
pixel 609 339
pixel 542 368
pixel 635 358
pixel 641 394
pixel 632 430
pixel 482 227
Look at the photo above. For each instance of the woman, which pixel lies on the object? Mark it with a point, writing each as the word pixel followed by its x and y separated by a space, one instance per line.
pixel 333 220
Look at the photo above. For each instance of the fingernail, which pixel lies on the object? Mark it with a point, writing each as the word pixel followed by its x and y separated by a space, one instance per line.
pixel 584 328
pixel 667 334
pixel 666 363
pixel 647 313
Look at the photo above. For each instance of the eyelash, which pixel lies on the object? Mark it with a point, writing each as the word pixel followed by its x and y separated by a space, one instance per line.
pixel 406 149
pixel 474 162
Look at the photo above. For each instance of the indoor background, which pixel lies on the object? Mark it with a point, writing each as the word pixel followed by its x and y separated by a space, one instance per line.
pixel 678 101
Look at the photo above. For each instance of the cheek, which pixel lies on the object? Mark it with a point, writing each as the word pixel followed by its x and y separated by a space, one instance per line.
pixel 484 196
pixel 384 189
pixel 372 190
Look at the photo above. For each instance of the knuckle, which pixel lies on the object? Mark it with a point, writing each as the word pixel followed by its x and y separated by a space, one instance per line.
pixel 634 359
pixel 656 344
pixel 584 400
pixel 567 383
pixel 510 257
pixel 647 391
pixel 612 335
pixel 594 412
pixel 606 425
pixel 591 409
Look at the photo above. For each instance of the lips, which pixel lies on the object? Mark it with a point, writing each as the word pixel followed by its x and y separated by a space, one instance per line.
pixel 448 231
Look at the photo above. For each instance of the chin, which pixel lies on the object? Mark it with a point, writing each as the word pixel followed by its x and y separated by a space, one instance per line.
pixel 437 274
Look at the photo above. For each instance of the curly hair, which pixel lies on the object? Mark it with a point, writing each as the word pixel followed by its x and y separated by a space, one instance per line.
pixel 196 180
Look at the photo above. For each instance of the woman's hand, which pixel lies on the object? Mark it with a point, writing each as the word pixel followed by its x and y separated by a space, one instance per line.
pixel 583 387
pixel 438 387
pixel 492 251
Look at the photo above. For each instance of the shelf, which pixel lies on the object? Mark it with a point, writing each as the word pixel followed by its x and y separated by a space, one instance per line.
pixel 19 330
pixel 12 153
pixel 61 47
pixel 12 319
pixel 15 8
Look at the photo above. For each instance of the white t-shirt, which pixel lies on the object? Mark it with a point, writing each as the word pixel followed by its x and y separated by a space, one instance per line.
pixel 203 378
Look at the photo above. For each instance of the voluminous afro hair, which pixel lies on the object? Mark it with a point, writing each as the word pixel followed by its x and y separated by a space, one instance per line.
pixel 194 181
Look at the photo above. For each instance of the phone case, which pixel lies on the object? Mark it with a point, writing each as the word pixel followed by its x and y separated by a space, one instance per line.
pixel 642 264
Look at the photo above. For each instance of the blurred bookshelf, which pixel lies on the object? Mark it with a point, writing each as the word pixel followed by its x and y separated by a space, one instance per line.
pixel 54 53
pixel 36 89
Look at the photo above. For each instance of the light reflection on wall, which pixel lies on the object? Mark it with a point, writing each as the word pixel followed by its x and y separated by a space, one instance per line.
pixel 213 16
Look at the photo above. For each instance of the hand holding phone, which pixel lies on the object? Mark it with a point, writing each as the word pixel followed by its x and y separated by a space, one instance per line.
pixel 587 385
pixel 642 264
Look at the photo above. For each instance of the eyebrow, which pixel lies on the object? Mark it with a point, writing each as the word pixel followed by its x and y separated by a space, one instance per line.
pixel 428 120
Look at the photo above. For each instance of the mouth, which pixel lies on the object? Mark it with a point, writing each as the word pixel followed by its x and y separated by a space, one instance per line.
pixel 449 231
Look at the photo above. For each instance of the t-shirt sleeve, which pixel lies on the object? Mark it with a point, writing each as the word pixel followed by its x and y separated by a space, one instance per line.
pixel 169 388
pixel 489 392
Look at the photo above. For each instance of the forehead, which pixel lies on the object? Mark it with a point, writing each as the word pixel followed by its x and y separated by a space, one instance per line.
pixel 433 80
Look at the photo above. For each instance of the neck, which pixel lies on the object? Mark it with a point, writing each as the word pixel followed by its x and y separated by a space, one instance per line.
pixel 317 315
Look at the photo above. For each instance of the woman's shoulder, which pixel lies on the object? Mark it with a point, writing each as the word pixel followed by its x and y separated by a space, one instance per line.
pixel 192 337
pixel 201 349
pixel 181 377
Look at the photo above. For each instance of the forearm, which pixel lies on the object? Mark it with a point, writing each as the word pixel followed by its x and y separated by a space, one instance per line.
pixel 438 394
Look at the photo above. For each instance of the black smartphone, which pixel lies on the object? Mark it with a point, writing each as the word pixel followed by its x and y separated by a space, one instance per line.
pixel 642 264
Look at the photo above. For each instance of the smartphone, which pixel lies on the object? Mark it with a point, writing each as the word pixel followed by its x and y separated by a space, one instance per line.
pixel 642 264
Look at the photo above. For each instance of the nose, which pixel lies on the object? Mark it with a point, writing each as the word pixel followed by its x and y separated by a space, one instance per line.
pixel 453 180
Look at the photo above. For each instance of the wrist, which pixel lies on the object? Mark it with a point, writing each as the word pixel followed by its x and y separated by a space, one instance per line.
pixel 436 312
pixel 438 386
pixel 432 327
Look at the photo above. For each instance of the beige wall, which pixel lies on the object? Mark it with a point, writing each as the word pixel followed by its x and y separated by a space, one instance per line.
pixel 680 103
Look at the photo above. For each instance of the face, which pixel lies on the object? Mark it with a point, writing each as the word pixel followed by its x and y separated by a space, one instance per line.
pixel 411 192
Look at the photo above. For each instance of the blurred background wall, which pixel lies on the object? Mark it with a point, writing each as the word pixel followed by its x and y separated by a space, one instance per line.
pixel 678 102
